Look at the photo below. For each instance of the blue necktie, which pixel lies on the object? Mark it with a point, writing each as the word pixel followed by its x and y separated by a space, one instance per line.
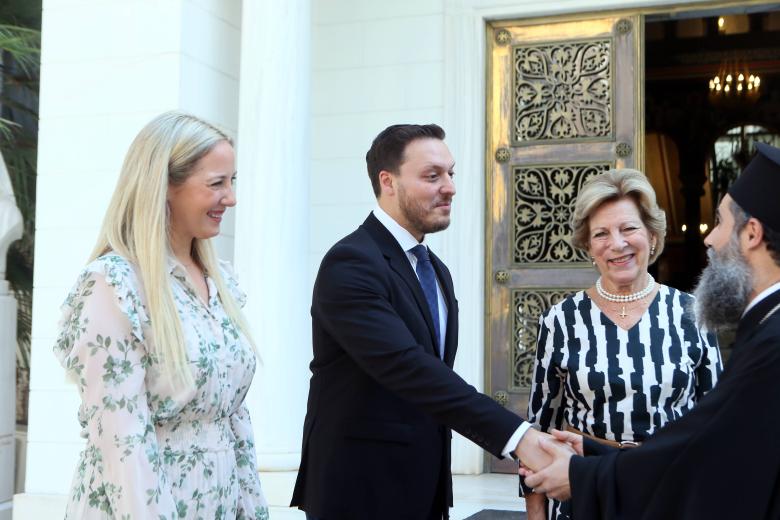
pixel 428 282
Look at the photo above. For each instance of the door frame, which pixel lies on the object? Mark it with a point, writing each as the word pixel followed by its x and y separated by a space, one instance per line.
pixel 539 277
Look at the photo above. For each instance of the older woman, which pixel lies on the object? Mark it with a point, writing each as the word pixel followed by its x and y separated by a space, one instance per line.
pixel 154 337
pixel 621 359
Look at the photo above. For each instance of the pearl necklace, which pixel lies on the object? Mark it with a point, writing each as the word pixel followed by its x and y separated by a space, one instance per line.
pixel 621 298
pixel 625 298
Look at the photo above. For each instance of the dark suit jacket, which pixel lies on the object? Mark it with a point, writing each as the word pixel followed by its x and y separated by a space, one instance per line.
pixel 376 439
pixel 721 460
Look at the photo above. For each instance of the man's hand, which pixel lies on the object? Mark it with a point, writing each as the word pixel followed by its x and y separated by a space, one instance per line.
pixel 572 439
pixel 530 452
pixel 553 480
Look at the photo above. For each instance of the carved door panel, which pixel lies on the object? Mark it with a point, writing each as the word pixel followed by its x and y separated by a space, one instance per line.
pixel 563 104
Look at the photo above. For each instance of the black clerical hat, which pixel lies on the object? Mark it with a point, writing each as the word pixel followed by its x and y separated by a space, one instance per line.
pixel 757 189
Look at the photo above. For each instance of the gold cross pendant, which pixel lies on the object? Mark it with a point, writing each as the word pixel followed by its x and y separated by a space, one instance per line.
pixel 623 312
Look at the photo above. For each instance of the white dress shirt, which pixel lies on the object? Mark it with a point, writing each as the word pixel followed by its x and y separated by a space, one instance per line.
pixel 407 241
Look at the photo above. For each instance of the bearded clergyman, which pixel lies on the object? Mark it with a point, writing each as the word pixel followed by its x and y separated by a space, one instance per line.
pixel 722 460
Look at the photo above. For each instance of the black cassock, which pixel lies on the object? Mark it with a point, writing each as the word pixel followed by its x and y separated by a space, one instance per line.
pixel 721 460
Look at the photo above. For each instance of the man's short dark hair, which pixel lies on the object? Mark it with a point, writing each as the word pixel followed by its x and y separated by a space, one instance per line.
pixel 771 236
pixel 387 150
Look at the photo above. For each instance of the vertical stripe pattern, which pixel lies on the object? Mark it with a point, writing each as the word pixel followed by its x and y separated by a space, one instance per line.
pixel 618 384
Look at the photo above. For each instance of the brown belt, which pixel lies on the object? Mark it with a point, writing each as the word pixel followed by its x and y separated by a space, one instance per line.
pixel 606 442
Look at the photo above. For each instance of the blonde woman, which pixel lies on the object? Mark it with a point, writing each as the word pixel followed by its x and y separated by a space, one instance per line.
pixel 153 334
pixel 618 361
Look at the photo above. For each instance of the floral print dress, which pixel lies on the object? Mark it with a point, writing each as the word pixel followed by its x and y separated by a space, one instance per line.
pixel 154 452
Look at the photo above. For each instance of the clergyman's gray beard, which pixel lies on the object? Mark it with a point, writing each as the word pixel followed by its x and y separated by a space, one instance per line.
pixel 724 288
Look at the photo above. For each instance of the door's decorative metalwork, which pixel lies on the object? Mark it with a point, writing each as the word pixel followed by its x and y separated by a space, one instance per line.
pixel 502 276
pixel 529 304
pixel 623 149
pixel 503 155
pixel 562 91
pixel 543 203
pixel 503 37
pixel 501 397
pixel 624 26
pixel 562 95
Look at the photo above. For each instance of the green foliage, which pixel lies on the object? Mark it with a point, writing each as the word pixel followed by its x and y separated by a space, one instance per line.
pixel 23 44
pixel 21 47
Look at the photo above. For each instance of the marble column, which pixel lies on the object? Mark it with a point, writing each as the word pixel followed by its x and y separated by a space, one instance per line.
pixel 463 244
pixel 272 219
pixel 10 231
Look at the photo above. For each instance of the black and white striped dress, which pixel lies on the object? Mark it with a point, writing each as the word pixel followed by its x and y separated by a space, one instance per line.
pixel 618 384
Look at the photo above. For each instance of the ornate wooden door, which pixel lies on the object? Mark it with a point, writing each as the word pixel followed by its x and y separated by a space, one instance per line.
pixel 563 104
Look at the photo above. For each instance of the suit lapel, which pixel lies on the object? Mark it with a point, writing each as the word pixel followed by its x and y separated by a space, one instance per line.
pixel 399 262
pixel 451 334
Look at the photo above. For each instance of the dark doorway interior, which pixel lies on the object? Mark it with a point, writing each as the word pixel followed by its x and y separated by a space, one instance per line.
pixel 700 129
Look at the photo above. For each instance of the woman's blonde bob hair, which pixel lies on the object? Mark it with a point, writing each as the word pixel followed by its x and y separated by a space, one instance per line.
pixel 613 185
pixel 163 154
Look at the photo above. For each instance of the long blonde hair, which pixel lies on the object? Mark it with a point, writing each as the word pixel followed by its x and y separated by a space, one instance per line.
pixel 163 154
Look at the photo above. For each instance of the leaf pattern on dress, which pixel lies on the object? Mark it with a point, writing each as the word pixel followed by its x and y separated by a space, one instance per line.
pixel 153 451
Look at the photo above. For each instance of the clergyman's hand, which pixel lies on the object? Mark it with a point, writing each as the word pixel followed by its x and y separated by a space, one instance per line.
pixel 572 439
pixel 553 480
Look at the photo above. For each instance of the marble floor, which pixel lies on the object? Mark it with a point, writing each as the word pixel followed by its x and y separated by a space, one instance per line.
pixel 473 493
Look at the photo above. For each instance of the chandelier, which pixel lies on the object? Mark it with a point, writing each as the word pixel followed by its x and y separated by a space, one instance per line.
pixel 734 83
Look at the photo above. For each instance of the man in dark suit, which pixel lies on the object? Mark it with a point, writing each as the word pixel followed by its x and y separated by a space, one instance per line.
pixel 383 395
pixel 721 460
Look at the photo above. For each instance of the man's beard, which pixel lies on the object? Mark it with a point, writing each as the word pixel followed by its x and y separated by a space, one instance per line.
pixel 415 214
pixel 724 288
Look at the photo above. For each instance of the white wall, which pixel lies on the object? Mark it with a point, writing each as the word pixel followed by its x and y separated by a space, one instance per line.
pixel 107 68
pixel 375 63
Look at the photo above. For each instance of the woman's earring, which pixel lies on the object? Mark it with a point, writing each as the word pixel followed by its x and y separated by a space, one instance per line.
pixel 652 250
pixel 592 260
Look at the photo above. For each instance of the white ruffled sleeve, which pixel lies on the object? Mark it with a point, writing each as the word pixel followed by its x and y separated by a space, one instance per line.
pixel 101 344
pixel 231 280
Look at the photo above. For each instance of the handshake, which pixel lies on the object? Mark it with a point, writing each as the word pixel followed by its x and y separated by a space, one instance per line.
pixel 545 461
